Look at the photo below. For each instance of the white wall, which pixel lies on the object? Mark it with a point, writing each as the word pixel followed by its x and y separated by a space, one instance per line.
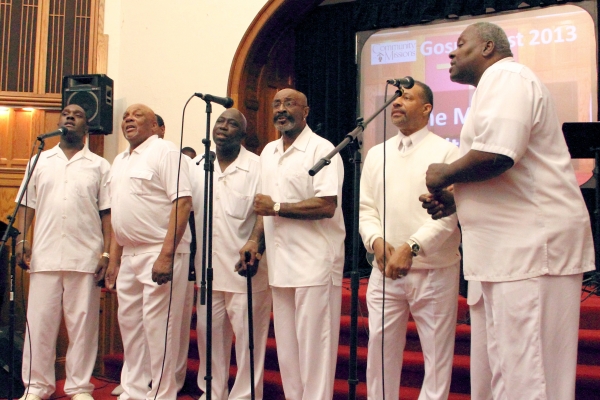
pixel 163 51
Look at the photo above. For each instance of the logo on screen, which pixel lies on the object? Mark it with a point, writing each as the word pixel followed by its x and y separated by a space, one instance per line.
pixel 393 52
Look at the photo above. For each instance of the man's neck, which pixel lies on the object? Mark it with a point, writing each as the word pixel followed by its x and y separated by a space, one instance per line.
pixel 227 156
pixel 290 137
pixel 70 149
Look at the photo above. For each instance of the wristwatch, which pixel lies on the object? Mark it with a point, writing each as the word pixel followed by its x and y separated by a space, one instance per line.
pixel 414 247
pixel 276 208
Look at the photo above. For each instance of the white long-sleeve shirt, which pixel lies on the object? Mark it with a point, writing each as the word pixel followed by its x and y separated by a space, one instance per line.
pixel 405 182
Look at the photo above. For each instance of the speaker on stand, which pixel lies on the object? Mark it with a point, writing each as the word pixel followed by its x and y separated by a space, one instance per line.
pixel 94 93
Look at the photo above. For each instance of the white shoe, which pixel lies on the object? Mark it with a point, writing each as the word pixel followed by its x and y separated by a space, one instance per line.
pixel 117 391
pixel 82 396
pixel 30 396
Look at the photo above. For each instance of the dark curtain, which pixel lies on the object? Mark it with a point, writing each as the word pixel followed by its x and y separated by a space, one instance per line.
pixel 379 14
pixel 325 71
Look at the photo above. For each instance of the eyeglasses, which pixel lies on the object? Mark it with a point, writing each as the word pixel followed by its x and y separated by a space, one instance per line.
pixel 286 104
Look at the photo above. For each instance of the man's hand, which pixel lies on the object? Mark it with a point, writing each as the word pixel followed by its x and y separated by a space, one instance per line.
pixel 162 270
pixel 101 271
pixel 436 177
pixel 23 254
pixel 263 205
pixel 400 262
pixel 110 278
pixel 248 256
pixel 439 205
pixel 379 247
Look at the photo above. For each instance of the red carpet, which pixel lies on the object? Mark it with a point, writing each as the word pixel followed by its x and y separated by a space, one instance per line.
pixel 588 370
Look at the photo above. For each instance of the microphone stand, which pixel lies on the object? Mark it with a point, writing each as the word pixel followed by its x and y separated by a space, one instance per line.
pixel 207 270
pixel 13 233
pixel 351 138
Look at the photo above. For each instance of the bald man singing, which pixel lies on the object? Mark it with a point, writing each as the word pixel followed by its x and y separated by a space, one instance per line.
pixel 149 256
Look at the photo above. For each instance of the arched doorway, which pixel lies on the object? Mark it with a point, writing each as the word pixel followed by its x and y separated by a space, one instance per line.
pixel 264 63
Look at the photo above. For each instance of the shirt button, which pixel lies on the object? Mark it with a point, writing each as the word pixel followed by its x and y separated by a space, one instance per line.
pixel 64 198
pixel 64 216
pixel 64 235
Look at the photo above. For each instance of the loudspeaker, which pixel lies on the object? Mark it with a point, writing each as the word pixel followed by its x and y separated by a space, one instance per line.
pixel 94 93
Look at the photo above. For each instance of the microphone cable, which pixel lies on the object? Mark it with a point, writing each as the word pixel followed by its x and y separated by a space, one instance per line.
pixel 25 230
pixel 162 368
pixel 384 246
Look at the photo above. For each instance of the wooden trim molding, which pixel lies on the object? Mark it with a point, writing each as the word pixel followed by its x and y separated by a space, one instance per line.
pixel 247 84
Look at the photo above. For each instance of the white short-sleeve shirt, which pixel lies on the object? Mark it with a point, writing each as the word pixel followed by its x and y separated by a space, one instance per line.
pixel 303 252
pixel 233 218
pixel 532 219
pixel 67 196
pixel 143 187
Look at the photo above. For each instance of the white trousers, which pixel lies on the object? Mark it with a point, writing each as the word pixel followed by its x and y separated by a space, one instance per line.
pixel 532 334
pixel 307 330
pixel 431 296
pixel 52 295
pixel 145 309
pixel 184 341
pixel 481 374
pixel 229 318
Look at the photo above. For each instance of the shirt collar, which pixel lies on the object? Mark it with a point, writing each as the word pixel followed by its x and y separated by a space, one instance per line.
pixel 495 65
pixel 415 138
pixel 143 145
pixel 301 142
pixel 241 162
pixel 57 151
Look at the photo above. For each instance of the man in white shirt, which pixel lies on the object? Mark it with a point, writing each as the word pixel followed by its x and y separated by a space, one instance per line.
pixel 235 182
pixel 420 255
pixel 151 202
pixel 67 196
pixel 526 230
pixel 304 233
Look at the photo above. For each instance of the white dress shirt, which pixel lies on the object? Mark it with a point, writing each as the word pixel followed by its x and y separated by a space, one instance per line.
pixel 143 187
pixel 233 218
pixel 67 195
pixel 303 252
pixel 531 220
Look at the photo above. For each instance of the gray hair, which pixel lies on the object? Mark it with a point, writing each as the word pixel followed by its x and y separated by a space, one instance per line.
pixel 493 33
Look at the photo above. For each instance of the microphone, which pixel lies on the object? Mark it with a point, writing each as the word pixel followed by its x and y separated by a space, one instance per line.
pixel 407 82
pixel 60 131
pixel 226 102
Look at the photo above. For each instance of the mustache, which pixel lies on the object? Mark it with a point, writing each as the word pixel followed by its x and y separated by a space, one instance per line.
pixel 283 114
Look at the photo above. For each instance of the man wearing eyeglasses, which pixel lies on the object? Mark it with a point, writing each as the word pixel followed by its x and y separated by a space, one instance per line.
pixel 303 228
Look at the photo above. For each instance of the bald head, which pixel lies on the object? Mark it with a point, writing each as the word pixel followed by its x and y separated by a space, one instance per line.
pixel 138 124
pixel 290 109
pixel 228 133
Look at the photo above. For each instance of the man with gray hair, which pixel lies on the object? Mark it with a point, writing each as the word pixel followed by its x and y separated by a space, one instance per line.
pixel 526 231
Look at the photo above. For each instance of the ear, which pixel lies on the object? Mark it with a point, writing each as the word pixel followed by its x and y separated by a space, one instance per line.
pixel 427 109
pixel 488 49
pixel 306 111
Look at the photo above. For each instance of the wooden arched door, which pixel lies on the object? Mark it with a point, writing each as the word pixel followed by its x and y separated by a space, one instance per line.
pixel 264 64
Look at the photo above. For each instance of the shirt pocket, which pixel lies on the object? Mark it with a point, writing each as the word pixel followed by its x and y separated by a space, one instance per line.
pixel 298 185
pixel 87 186
pixel 238 205
pixel 139 182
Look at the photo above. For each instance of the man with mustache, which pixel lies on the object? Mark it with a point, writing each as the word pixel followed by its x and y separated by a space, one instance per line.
pixel 67 195
pixel 236 181
pixel 526 230
pixel 151 199
pixel 419 255
pixel 303 228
